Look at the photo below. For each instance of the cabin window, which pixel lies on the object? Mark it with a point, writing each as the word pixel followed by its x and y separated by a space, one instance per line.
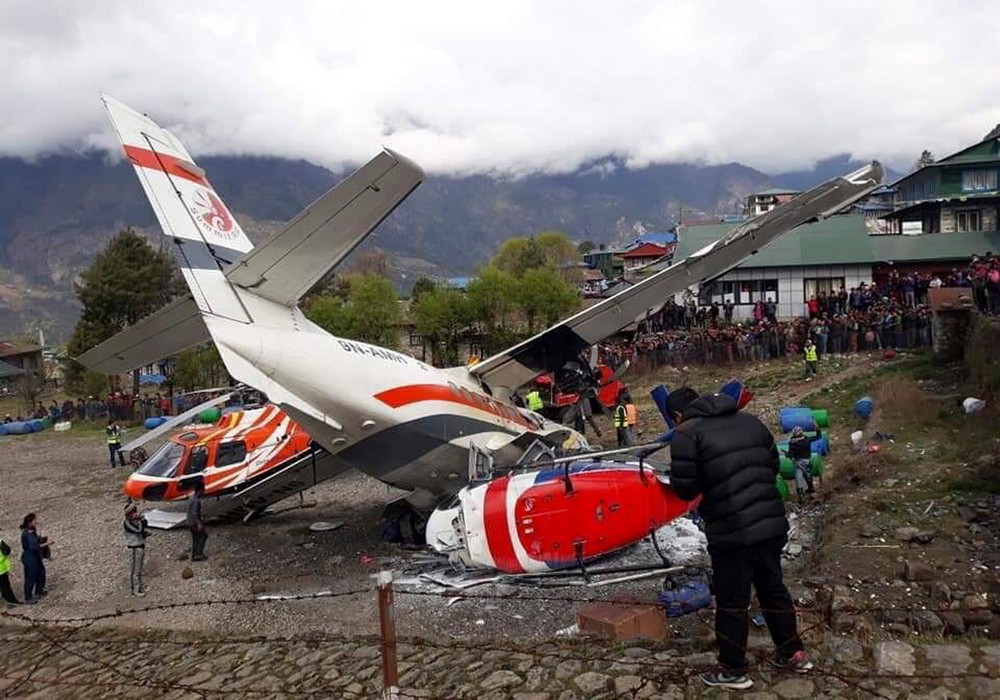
pixel 231 453
pixel 198 460
pixel 164 461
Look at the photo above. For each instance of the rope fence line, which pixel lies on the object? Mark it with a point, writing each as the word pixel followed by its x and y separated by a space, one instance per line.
pixel 60 635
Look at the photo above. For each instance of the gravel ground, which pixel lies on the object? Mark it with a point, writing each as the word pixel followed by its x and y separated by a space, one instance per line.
pixel 66 480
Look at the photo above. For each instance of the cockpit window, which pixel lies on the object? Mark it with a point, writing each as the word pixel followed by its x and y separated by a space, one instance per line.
pixel 164 461
pixel 198 460
pixel 230 453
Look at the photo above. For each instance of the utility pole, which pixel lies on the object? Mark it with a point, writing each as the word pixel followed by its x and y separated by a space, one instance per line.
pixel 387 625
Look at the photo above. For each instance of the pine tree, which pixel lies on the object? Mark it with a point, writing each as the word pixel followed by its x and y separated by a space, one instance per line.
pixel 126 282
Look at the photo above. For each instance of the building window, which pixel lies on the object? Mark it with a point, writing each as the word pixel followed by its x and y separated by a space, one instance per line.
pixel 980 179
pixel 968 220
pixel 416 340
pixel 821 285
pixel 744 292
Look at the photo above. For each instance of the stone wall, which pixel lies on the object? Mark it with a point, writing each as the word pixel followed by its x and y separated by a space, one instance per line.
pixel 982 355
pixel 950 330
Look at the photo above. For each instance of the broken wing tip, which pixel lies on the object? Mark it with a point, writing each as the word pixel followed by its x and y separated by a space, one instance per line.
pixel 400 158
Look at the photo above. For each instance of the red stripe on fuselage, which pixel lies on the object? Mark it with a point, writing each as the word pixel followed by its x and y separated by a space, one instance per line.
pixel 170 165
pixel 497 529
pixel 415 393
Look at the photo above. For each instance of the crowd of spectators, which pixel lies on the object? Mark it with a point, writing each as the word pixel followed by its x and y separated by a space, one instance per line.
pixel 118 406
pixel 892 313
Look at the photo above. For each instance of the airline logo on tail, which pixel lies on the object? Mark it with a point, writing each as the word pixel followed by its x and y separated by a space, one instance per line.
pixel 212 214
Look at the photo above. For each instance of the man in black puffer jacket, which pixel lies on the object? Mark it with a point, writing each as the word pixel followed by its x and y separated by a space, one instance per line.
pixel 730 460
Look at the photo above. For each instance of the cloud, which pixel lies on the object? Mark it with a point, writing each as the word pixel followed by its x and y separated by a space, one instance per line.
pixel 510 88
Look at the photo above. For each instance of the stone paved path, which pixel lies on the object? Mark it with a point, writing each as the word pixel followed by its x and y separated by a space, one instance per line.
pixel 47 663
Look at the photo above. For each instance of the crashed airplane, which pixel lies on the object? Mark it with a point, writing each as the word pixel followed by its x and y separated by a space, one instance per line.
pixel 413 426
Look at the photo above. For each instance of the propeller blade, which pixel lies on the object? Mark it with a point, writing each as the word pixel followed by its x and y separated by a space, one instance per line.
pixel 595 356
pixel 174 422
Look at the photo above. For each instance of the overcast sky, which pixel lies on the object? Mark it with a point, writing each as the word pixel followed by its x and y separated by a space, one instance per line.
pixel 511 86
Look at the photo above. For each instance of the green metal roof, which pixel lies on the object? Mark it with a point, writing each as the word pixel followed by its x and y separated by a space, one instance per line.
pixel 983 152
pixel 775 191
pixel 844 240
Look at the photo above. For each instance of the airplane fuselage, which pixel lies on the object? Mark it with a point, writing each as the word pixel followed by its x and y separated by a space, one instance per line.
pixel 385 413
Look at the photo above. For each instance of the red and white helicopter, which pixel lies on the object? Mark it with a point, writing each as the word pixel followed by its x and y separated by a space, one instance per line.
pixel 404 422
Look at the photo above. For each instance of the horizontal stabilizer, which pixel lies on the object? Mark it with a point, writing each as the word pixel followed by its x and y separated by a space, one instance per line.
pixel 177 326
pixel 552 348
pixel 292 260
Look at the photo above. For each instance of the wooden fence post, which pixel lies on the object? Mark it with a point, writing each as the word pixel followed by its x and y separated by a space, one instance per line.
pixel 387 625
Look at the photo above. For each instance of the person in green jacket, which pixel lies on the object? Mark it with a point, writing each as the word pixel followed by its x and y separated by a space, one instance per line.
pixel 6 592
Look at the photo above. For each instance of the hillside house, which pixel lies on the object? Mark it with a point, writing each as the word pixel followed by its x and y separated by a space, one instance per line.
pixel 24 356
pixel 762 202
pixel 957 194
pixel 593 282
pixel 607 259
pixel 646 253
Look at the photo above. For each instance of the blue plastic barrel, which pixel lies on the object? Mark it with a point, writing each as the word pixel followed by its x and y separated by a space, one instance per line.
pixel 863 407
pixel 18 428
pixel 796 416
pixel 820 446
pixel 156 422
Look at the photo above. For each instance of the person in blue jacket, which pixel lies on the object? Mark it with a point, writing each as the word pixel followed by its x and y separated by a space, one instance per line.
pixel 32 547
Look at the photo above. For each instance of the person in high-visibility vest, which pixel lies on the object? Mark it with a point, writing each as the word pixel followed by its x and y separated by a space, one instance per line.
pixel 811 359
pixel 631 418
pixel 620 420
pixel 535 402
pixel 114 435
pixel 6 592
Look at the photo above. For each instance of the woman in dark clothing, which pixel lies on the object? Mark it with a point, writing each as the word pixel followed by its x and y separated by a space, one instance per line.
pixel 31 557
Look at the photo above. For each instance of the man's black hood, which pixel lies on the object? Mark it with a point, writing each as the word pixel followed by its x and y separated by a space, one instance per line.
pixel 710 405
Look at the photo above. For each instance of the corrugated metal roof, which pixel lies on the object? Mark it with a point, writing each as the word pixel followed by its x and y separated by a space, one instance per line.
pixel 7 370
pixel 8 349
pixel 658 238
pixel 775 191
pixel 649 250
pixel 844 240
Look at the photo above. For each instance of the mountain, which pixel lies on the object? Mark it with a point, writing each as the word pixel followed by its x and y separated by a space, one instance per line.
pixel 58 212
pixel 827 169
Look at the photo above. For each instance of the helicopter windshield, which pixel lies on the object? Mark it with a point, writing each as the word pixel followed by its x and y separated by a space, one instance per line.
pixel 164 461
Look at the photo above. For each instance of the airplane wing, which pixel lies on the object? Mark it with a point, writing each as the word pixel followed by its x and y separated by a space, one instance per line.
pixel 552 348
pixel 177 326
pixel 293 259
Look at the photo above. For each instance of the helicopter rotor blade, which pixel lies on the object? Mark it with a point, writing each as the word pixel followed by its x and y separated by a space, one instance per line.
pixel 175 421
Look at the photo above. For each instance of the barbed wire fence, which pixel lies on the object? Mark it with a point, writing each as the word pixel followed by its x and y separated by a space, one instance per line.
pixel 54 635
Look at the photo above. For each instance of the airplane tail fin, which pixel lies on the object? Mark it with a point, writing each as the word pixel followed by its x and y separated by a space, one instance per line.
pixel 232 283
pixel 206 237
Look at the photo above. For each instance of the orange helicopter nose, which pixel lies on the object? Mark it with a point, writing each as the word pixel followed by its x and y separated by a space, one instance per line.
pixel 133 488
